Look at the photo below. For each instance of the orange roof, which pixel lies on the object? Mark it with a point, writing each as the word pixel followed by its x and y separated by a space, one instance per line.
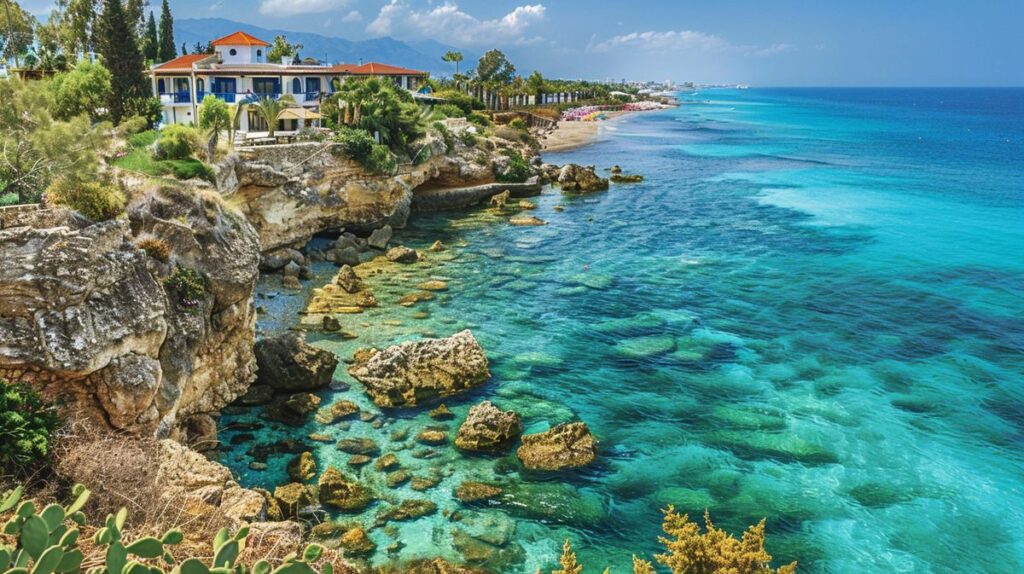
pixel 344 67
pixel 182 62
pixel 239 39
pixel 378 69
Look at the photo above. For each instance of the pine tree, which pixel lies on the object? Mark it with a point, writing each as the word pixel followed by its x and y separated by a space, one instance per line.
pixel 167 50
pixel 151 44
pixel 116 43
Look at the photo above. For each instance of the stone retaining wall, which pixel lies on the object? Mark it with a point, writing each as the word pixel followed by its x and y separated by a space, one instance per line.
pixel 458 197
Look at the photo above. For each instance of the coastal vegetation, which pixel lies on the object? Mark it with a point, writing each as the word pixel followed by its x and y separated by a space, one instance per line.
pixel 26 426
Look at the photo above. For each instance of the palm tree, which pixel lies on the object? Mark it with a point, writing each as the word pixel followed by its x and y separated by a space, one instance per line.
pixel 236 118
pixel 270 108
pixel 453 56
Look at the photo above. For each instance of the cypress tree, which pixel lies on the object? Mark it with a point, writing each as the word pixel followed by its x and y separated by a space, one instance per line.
pixel 167 51
pixel 151 45
pixel 121 55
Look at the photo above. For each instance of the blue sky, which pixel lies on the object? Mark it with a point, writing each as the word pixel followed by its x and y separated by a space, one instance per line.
pixel 761 42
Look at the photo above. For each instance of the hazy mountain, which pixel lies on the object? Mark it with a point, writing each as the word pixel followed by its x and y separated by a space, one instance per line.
pixel 421 55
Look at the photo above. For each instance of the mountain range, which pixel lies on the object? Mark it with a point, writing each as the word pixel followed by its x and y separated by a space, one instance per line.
pixel 420 55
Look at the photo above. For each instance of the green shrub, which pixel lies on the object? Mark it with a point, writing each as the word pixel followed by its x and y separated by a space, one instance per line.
pixel 143 139
pixel 446 135
pixel 133 126
pixel 518 124
pixel 518 168
pixel 479 119
pixel 381 160
pixel 355 143
pixel 176 142
pixel 97 200
pixel 450 110
pixel 148 108
pixel 8 199
pixel 26 423
pixel 186 285
pixel 185 169
pixel 467 138
pixel 47 543
pixel 465 102
pixel 155 248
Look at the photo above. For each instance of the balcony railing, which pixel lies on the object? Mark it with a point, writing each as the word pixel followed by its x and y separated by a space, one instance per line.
pixel 175 98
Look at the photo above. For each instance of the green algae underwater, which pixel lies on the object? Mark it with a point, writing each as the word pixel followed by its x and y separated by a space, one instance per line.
pixel 811 311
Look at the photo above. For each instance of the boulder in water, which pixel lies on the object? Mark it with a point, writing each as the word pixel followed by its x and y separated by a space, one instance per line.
pixel 402 254
pixel 287 363
pixel 579 179
pixel 337 491
pixel 489 429
pixel 380 237
pixel 568 445
pixel 419 372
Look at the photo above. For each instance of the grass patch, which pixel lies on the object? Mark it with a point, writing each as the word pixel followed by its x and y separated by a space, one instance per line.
pixel 140 159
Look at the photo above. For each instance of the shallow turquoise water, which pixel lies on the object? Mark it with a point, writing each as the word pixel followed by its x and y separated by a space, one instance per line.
pixel 812 310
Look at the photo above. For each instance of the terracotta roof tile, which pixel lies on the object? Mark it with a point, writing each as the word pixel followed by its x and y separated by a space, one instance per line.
pixel 378 69
pixel 239 39
pixel 182 62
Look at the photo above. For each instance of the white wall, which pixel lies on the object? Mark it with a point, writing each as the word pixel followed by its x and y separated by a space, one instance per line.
pixel 243 54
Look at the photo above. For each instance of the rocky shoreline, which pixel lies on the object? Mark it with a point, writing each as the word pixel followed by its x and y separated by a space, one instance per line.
pixel 147 325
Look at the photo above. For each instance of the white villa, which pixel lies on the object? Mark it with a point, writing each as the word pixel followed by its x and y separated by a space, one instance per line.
pixel 238 70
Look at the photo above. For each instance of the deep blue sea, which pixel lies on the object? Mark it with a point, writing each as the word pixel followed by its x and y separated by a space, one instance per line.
pixel 811 311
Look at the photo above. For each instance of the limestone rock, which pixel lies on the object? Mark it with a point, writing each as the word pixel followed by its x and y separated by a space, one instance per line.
pixel 387 462
pixel 293 409
pixel 472 491
pixel 291 282
pixel 402 254
pixel 417 372
pixel 441 413
pixel 579 179
pixel 526 204
pixel 432 437
pixel 302 467
pixel 287 363
pixel 358 446
pixel 568 445
pixel 337 491
pixel 526 221
pixel 292 498
pixel 356 542
pixel 437 246
pixel 348 280
pixel 489 429
pixel 500 199
pixel 84 314
pixel 407 510
pixel 380 237
pixel 623 178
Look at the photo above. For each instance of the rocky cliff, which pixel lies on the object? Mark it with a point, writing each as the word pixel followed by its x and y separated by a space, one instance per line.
pixel 90 318
pixel 291 192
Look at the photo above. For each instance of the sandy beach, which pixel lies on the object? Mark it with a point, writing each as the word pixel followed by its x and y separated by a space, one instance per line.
pixel 570 135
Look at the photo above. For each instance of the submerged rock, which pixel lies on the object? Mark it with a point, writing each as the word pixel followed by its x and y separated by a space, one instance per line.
pixel 472 491
pixel 623 178
pixel 564 446
pixel 432 437
pixel 418 372
pixel 292 410
pixel 355 542
pixel 487 428
pixel 437 246
pixel 441 413
pixel 291 499
pixel 407 510
pixel 358 446
pixel 526 221
pixel 287 363
pixel 402 254
pixel 337 491
pixel 302 467
pixel 387 462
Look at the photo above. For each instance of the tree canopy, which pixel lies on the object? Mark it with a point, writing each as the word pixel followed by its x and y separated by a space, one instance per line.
pixel 494 67
pixel 121 55
pixel 167 50
pixel 83 90
pixel 281 49
pixel 16 30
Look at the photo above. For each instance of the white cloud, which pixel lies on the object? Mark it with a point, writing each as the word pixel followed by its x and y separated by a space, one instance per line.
pixel 216 6
pixel 683 40
pixel 448 22
pixel 353 16
pixel 773 50
pixel 296 7
pixel 671 40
